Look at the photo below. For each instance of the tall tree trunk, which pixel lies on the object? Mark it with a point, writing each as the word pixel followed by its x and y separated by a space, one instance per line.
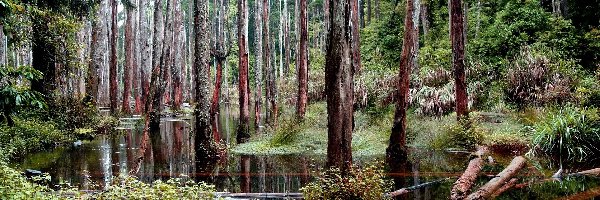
pixel 458 57
pixel 129 60
pixel 177 66
pixel 219 52
pixel 145 54
pixel 138 80
pixel 113 59
pixel 303 60
pixel 325 22
pixel 157 79
pixel 243 131
pixel 286 38
pixel 339 87
pixel 204 142
pixel 354 14
pixel 2 45
pixel 95 63
pixel 270 93
pixel 396 150
pixel 259 65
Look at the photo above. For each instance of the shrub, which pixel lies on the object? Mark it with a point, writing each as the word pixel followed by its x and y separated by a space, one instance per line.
pixel 367 184
pixel 569 132
pixel 463 134
pixel 537 79
pixel 30 135
pixel 132 188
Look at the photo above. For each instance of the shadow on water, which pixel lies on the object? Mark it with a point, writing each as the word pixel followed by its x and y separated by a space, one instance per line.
pixel 93 165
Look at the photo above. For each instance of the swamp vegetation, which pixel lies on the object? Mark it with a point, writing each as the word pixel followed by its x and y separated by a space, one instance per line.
pixel 311 99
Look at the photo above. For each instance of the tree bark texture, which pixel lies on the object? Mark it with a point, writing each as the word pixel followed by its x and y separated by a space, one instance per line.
pixel 258 65
pixel 463 185
pixel 407 60
pixel 339 78
pixel 243 131
pixel 204 142
pixel 178 64
pixel 270 91
pixel 303 60
pixel 129 61
pixel 95 63
pixel 156 80
pixel 485 191
pixel 113 59
pixel 145 54
pixel 458 57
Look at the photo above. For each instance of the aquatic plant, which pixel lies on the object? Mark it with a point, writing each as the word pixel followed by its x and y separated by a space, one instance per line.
pixel 569 132
pixel 366 183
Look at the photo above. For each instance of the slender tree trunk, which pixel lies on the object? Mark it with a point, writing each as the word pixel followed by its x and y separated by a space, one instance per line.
pixel 303 60
pixel 286 38
pixel 146 54
pixel 95 63
pixel 458 57
pixel 2 45
pixel 270 93
pixel 325 22
pixel 243 132
pixel 177 66
pixel 129 61
pixel 259 65
pixel 204 142
pixel 339 77
pixel 138 78
pixel 354 14
pixel 113 59
pixel 396 150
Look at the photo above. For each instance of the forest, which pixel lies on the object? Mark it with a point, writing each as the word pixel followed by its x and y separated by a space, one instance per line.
pixel 300 99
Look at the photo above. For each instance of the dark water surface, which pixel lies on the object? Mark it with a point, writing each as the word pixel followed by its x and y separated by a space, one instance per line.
pixel 93 164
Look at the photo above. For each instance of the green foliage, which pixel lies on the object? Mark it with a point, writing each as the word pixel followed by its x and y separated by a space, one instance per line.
pixel 463 134
pixel 569 132
pixel 287 131
pixel 588 92
pixel 30 135
pixel 367 183
pixel 15 96
pixel 132 188
pixel 14 185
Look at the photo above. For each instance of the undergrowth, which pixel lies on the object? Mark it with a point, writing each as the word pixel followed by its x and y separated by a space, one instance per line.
pixel 366 183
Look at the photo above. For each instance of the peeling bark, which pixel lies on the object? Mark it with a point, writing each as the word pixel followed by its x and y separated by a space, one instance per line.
pixel 457 37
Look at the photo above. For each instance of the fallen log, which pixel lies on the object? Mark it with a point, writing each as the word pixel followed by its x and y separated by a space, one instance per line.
pixel 510 184
pixel 591 172
pixel 485 191
pixel 407 190
pixel 462 186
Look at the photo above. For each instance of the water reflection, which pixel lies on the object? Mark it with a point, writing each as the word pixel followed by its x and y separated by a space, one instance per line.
pixel 170 154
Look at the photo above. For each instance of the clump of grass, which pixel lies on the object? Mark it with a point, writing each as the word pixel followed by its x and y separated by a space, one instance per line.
pixel 361 183
pixel 569 132
pixel 287 132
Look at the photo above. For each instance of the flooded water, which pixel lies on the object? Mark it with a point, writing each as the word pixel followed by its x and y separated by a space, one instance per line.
pixel 93 164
